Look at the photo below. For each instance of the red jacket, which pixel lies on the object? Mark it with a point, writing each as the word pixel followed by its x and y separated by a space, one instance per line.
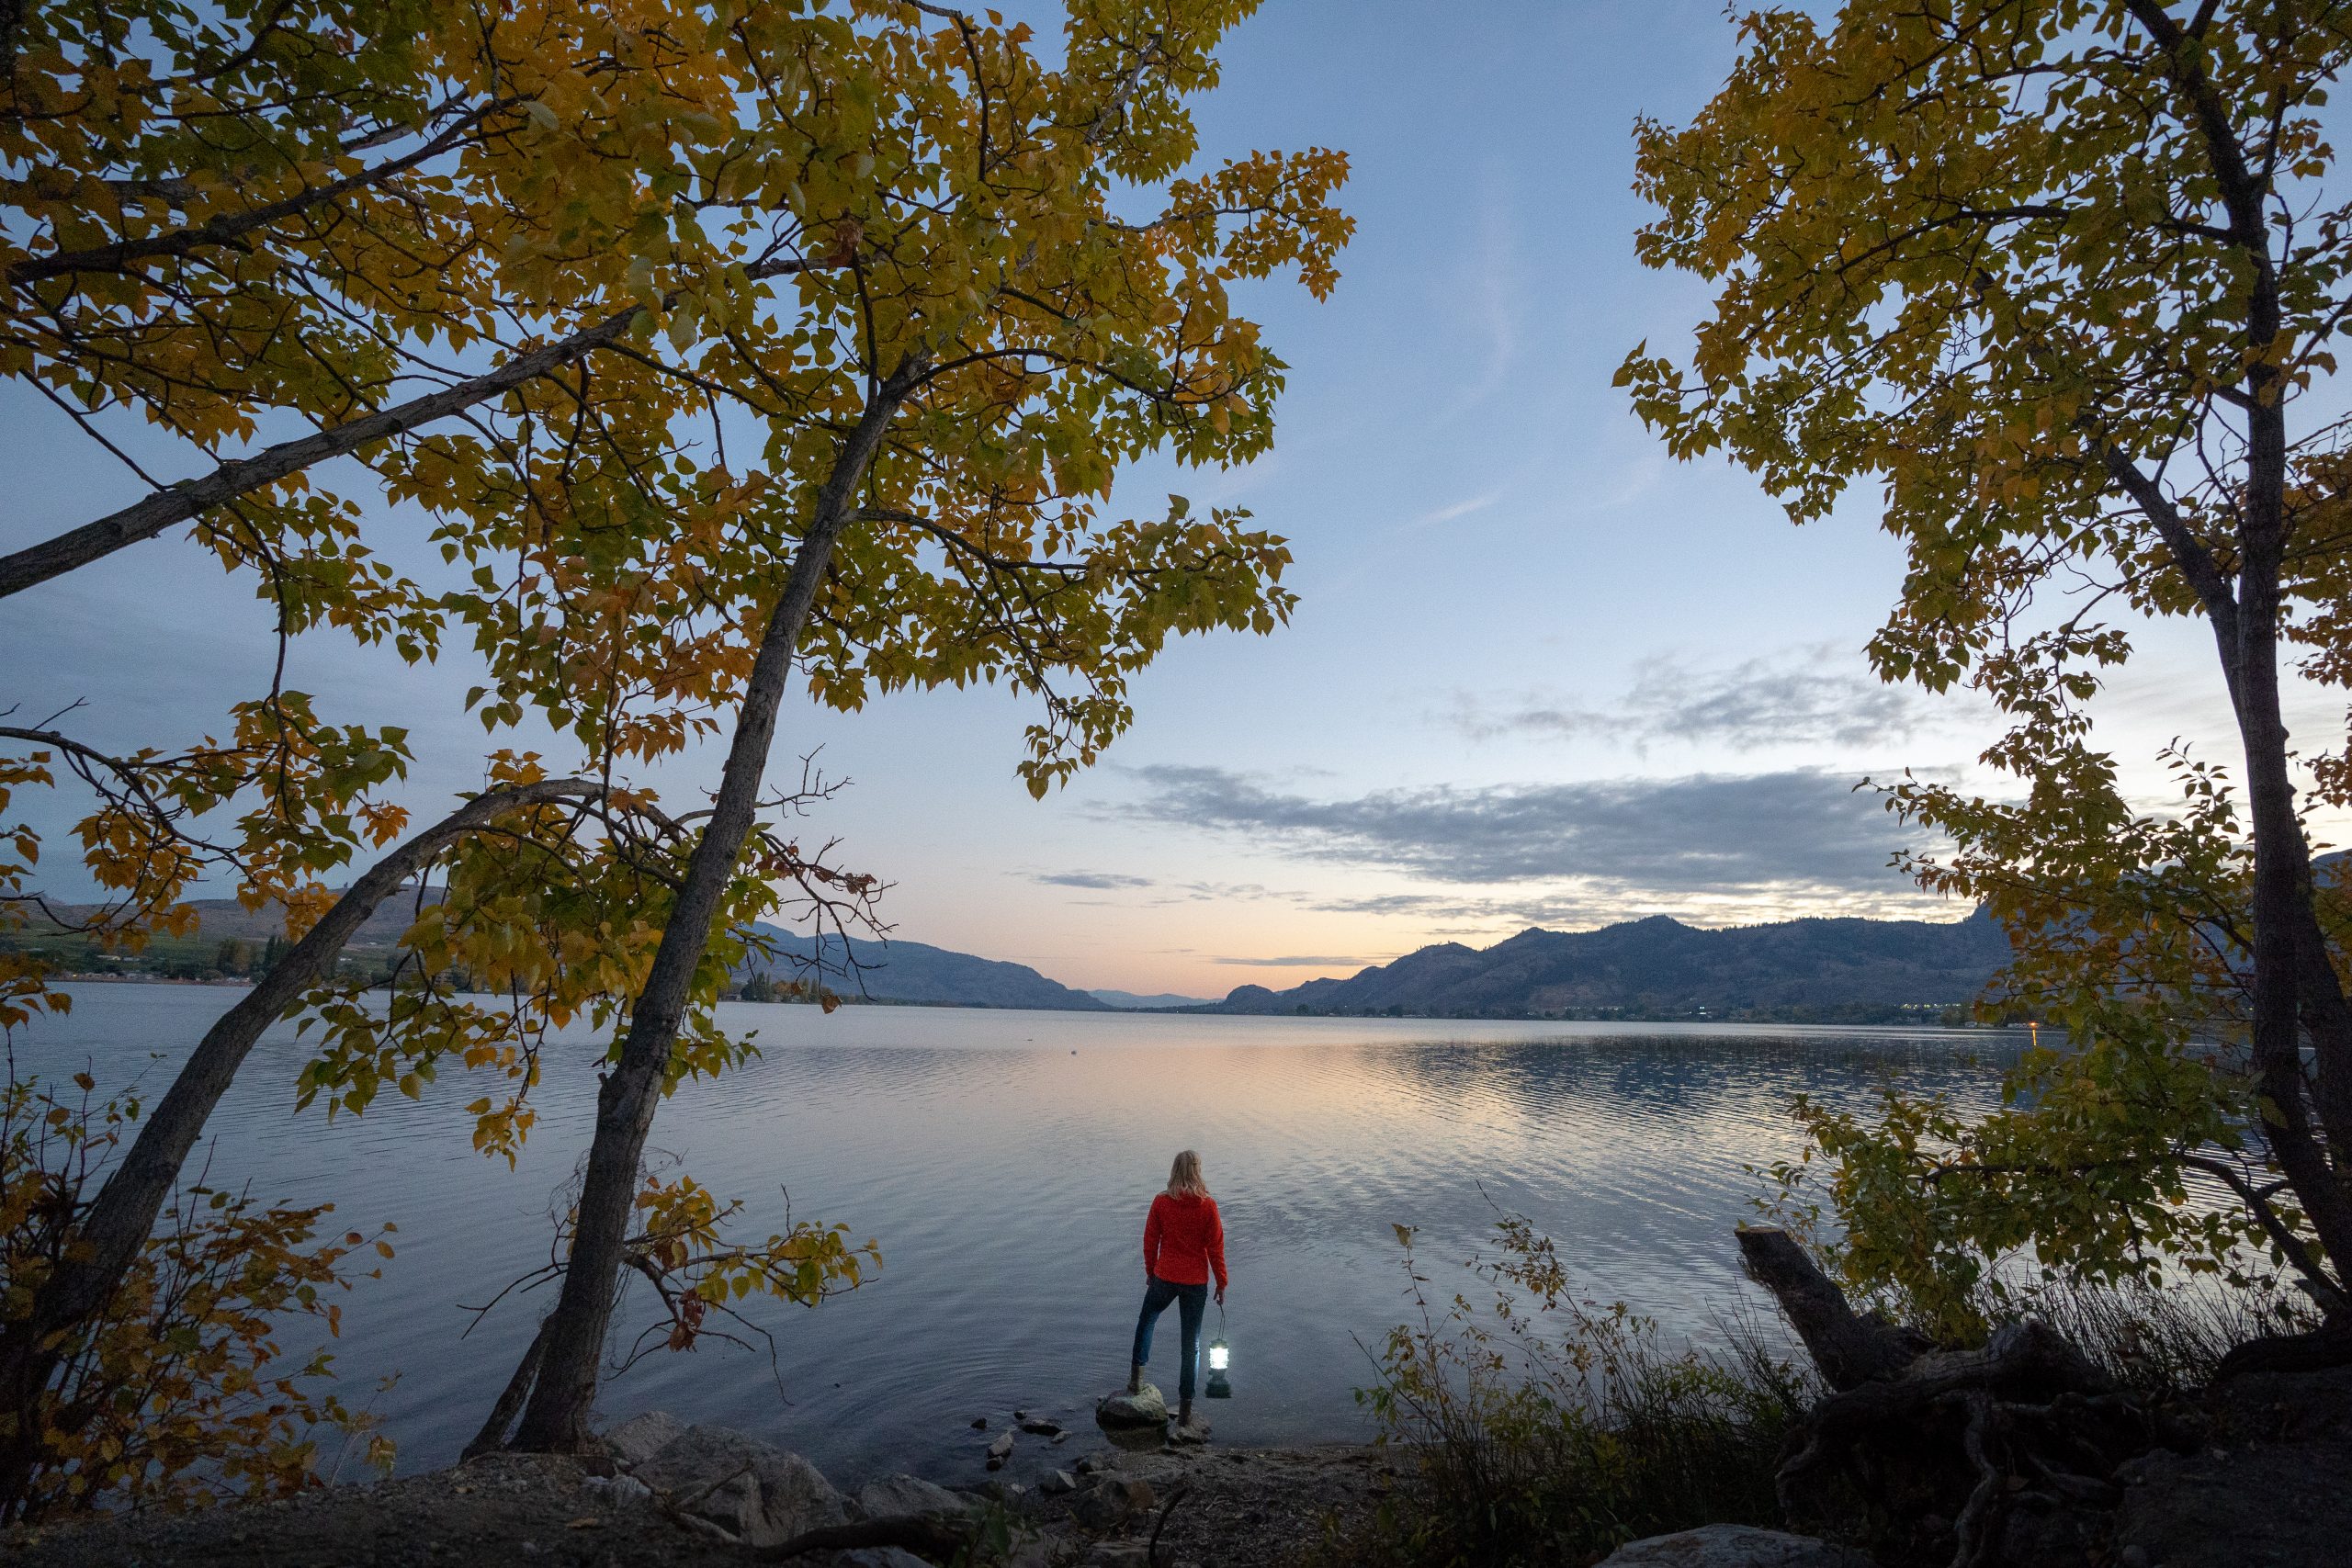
pixel 1183 1240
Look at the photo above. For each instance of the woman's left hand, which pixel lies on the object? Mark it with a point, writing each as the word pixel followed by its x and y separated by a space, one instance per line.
pixel 1220 1295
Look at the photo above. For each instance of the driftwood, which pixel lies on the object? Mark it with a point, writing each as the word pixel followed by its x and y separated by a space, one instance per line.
pixel 1910 1431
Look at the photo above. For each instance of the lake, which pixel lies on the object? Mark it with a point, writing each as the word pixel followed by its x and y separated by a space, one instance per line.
pixel 1004 1162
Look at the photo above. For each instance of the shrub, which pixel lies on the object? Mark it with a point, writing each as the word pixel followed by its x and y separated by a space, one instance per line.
pixel 178 1394
pixel 1548 1430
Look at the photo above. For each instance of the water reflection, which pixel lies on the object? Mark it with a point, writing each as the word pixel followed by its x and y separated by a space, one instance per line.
pixel 1004 1160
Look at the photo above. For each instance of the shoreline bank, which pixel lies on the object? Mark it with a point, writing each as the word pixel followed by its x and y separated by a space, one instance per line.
pixel 705 1497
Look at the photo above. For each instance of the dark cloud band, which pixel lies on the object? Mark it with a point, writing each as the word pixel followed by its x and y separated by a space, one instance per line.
pixel 1802 828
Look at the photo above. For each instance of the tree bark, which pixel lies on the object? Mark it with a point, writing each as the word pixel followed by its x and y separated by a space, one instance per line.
pixel 119 1220
pixel 1849 1349
pixel 556 1420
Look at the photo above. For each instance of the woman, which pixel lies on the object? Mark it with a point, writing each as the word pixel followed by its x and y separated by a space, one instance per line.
pixel 1182 1241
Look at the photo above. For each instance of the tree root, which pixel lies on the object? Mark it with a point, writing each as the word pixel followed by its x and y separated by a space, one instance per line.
pixel 2025 1418
pixel 2317 1351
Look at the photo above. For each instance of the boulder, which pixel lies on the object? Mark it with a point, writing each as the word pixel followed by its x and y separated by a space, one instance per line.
pixel 1119 1554
pixel 621 1491
pixel 754 1491
pixel 1144 1409
pixel 1733 1546
pixel 642 1436
pixel 898 1497
pixel 1038 1425
pixel 1001 1448
pixel 1056 1483
pixel 2240 1506
pixel 877 1557
pixel 1110 1500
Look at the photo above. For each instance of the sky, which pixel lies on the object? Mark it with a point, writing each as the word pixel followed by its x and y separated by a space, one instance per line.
pixel 1540 673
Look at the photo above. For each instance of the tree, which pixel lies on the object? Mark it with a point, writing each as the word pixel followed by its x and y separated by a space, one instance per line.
pixel 944 414
pixel 874 245
pixel 2061 281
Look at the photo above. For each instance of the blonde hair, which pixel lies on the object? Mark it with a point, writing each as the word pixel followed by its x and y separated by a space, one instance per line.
pixel 1184 1177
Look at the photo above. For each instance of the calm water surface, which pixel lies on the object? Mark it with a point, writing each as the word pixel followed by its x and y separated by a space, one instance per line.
pixel 1004 1161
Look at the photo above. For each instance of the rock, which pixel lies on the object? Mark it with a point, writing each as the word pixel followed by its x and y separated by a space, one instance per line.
pixel 2252 1505
pixel 1060 1438
pixel 621 1491
pixel 1001 1448
pixel 1056 1483
pixel 1145 1408
pixel 1021 1416
pixel 642 1436
pixel 898 1497
pixel 1111 1501
pixel 979 1422
pixel 1038 1425
pixel 1193 1431
pixel 877 1557
pixel 752 1490
pixel 1119 1554
pixel 1733 1546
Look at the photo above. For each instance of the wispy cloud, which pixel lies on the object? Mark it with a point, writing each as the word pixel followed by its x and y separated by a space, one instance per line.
pixel 1099 880
pixel 1806 696
pixel 1704 833
pixel 1298 962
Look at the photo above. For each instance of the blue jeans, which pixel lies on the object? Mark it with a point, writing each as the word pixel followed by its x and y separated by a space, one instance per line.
pixel 1191 1301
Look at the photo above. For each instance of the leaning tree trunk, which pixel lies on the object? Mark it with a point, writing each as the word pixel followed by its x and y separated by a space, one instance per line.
pixel 117 1224
pixel 571 1342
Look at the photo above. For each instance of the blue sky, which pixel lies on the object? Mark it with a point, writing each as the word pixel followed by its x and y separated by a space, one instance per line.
pixel 1540 674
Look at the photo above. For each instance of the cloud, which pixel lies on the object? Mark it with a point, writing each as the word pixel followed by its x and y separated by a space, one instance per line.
pixel 1804 696
pixel 1799 829
pixel 1299 963
pixel 1103 880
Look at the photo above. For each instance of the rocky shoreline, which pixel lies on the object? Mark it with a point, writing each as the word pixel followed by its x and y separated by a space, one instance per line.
pixel 2265 1491
pixel 698 1496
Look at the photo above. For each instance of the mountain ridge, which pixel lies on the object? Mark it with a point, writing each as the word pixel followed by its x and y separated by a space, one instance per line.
pixel 1659 966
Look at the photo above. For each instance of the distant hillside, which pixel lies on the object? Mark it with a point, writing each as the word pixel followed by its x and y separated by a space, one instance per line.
pixel 910 972
pixel 1660 967
pixel 891 972
pixel 222 920
pixel 1129 1001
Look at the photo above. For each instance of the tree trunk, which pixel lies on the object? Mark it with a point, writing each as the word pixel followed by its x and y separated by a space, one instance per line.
pixel 556 1420
pixel 119 1220
pixel 1849 1349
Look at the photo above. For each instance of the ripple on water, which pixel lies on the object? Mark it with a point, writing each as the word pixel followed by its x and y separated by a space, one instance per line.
pixel 1006 1179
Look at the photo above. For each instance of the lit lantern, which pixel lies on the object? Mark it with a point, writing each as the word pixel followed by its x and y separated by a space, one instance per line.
pixel 1220 1358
